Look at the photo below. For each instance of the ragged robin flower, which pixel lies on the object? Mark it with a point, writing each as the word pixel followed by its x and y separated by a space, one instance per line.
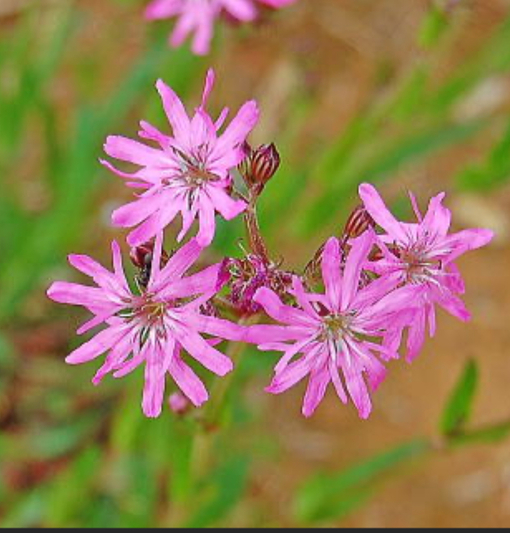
pixel 197 17
pixel 188 172
pixel 422 256
pixel 332 337
pixel 151 327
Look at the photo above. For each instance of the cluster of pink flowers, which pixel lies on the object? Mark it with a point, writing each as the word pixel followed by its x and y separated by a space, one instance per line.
pixel 197 17
pixel 340 321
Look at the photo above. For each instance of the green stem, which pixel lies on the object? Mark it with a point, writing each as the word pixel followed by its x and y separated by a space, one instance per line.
pixel 257 244
pixel 212 419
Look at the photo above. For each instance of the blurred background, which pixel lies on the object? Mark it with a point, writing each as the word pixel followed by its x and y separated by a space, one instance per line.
pixel 405 94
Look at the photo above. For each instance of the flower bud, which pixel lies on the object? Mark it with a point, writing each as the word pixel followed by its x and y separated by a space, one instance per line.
pixel 357 223
pixel 178 403
pixel 141 257
pixel 259 166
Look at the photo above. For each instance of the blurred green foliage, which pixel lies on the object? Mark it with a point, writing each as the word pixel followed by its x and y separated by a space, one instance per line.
pixel 90 458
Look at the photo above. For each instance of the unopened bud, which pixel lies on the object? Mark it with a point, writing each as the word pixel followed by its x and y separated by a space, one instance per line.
pixel 259 166
pixel 358 222
pixel 178 403
pixel 141 257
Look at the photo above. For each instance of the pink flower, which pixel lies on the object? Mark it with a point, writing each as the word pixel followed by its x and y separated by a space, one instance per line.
pixel 178 403
pixel 422 256
pixel 198 17
pixel 332 334
pixel 189 172
pixel 152 327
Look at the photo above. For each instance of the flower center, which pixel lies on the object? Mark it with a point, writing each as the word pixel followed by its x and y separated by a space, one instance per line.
pixel 335 327
pixel 194 172
pixel 420 268
pixel 151 312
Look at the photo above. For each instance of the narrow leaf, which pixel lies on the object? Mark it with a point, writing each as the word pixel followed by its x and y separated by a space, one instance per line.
pixel 458 409
pixel 325 496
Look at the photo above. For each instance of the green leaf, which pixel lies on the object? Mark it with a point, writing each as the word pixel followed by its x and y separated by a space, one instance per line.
pixel 486 435
pixel 433 27
pixel 45 443
pixel 181 446
pixel 226 487
pixel 458 409
pixel 70 492
pixel 27 511
pixel 494 170
pixel 326 496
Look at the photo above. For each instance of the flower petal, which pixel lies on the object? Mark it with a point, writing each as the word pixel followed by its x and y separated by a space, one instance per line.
pixel 356 260
pixel 317 385
pixel 280 312
pixel 379 212
pixel 178 264
pixel 330 265
pixel 205 354
pixel 224 204
pixel 98 345
pixel 132 151
pixel 189 383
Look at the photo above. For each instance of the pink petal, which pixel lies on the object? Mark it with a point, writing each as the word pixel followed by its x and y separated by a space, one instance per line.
pixel 161 9
pixel 330 264
pixel 262 334
pixel 151 133
pixel 118 354
pixel 202 130
pixel 237 131
pixel 317 385
pixel 148 176
pixel 223 329
pixel 303 298
pixel 437 219
pixel 290 353
pixel 199 283
pixel 466 240
pixel 178 264
pixel 277 3
pixel 74 294
pixel 208 87
pixel 154 386
pixel 376 371
pixel 337 382
pixel 227 206
pixel 455 306
pixel 357 389
pixel 280 312
pixel 156 259
pixel 380 213
pixel 292 374
pixel 207 222
pixel 243 10
pixel 103 277
pixel 205 354
pixel 118 267
pixel 188 381
pixel 175 111
pixel 97 346
pixel 356 260
pixel 156 222
pixel 134 152
pixel 416 335
pixel 204 29
pixel 221 119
